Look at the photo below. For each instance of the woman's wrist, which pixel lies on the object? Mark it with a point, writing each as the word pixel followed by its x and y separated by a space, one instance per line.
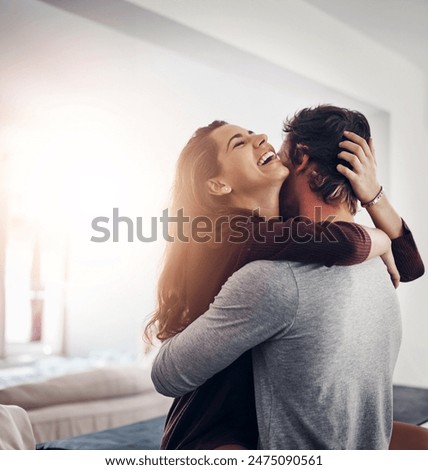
pixel 385 217
pixel 374 200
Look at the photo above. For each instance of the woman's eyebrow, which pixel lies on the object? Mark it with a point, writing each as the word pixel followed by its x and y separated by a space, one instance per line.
pixel 235 137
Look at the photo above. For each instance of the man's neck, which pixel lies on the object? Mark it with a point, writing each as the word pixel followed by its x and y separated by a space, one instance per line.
pixel 266 204
pixel 317 210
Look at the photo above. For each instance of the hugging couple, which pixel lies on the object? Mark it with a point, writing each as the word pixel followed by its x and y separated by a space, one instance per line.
pixel 283 342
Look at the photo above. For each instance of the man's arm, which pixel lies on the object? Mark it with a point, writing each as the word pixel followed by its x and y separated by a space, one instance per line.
pixel 363 178
pixel 244 314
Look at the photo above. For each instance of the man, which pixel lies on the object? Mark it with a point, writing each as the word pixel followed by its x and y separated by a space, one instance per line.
pixel 325 340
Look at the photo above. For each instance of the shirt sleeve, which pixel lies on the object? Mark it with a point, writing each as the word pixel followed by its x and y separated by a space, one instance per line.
pixel 407 258
pixel 244 314
pixel 299 239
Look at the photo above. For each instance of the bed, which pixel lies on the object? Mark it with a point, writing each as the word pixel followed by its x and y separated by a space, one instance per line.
pixel 86 402
pixel 410 405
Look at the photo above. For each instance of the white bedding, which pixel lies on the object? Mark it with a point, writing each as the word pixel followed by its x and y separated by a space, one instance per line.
pixel 16 431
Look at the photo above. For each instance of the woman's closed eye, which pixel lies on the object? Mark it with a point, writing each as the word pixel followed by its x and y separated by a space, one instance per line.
pixel 238 143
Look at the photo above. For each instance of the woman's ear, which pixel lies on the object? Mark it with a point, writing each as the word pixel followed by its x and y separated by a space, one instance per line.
pixel 217 187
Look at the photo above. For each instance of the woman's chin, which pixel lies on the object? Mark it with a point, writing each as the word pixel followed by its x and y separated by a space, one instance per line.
pixel 284 172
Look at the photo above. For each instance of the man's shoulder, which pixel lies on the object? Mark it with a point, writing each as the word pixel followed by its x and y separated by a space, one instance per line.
pixel 262 276
pixel 266 287
pixel 371 274
pixel 374 264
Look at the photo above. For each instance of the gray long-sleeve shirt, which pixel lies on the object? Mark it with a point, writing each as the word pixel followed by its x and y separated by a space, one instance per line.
pixel 325 342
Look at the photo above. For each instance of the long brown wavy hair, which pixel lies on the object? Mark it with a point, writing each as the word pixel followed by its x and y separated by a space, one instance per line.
pixel 197 164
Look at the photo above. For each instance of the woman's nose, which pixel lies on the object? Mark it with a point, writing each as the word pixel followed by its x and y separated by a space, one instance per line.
pixel 259 139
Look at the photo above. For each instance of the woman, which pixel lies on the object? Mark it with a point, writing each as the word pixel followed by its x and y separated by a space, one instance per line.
pixel 226 171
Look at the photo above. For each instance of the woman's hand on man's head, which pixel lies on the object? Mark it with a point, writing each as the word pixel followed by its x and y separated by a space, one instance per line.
pixel 360 155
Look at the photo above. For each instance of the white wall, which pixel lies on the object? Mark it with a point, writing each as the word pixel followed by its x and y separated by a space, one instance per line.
pixel 121 98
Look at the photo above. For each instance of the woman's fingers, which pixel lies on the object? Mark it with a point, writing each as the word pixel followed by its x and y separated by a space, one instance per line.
pixel 395 278
pixel 372 149
pixel 362 176
pixel 347 172
pixel 356 141
pixel 355 149
pixel 352 159
pixel 388 259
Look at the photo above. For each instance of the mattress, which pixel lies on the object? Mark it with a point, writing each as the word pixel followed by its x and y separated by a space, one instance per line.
pixel 145 435
pixel 410 405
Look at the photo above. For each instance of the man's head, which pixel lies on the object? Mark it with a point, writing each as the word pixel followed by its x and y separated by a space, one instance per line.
pixel 310 152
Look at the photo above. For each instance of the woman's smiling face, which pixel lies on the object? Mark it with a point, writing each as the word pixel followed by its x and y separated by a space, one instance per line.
pixel 247 160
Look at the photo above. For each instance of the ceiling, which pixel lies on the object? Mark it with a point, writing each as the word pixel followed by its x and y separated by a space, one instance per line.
pixel 400 25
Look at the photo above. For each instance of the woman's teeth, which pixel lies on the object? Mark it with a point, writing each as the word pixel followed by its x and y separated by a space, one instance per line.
pixel 267 157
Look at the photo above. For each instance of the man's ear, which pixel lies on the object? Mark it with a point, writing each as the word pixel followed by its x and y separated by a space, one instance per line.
pixel 303 165
pixel 217 187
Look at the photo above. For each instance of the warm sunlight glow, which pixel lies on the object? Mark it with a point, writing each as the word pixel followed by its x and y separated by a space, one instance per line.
pixel 65 166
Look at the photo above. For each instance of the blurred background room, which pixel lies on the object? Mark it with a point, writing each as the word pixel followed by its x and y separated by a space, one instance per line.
pixel 97 98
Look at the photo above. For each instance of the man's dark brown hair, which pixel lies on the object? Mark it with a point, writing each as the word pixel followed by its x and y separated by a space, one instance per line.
pixel 317 132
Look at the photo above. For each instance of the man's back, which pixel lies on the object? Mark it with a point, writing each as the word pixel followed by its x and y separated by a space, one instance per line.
pixel 324 340
pixel 325 381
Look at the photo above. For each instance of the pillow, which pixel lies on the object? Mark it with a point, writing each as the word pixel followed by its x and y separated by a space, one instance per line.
pixel 96 384
pixel 16 431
